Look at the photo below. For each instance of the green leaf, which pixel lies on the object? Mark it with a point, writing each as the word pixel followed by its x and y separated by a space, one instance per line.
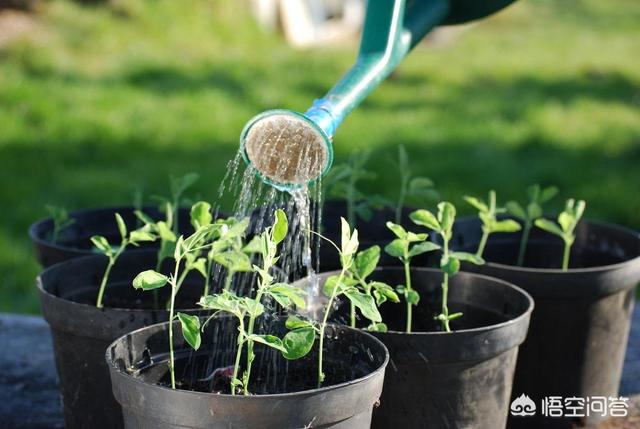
pixel 446 215
pixel 413 237
pixel 507 225
pixel 477 203
pixel 253 246
pixel 450 265
pixel 200 265
pixel 367 261
pixel 549 226
pixel 331 283
pixel 418 185
pixel 102 244
pixel 190 329
pixel 395 248
pixel 421 248
pixel 234 261
pixel 468 257
pixel 294 322
pixel 254 308
pixel 534 210
pixel 150 279
pixel 165 232
pixel 224 301
pixel 565 220
pixel 285 294
pixel 412 297
pixel 268 340
pixel 385 290
pixel 398 230
pixel 280 227
pixel 201 214
pixel 425 218
pixel 365 304
pixel 122 227
pixel 454 316
pixel 378 327
pixel 299 342
pixel 548 193
pixel 141 234
pixel 144 218
pixel 349 242
pixel 516 210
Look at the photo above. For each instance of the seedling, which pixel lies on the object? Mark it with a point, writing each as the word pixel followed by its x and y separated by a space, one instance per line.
pixel 405 247
pixel 102 244
pixel 417 189
pixel 243 307
pixel 303 332
pixel 567 222
pixel 537 196
pixel 187 252
pixel 342 183
pixel 450 261
pixel 363 266
pixel 61 221
pixel 487 211
pixel 229 251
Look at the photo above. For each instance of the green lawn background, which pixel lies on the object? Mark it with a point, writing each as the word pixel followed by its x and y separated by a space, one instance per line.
pixel 100 99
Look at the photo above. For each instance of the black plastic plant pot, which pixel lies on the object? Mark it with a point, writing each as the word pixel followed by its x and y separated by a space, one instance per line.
pixel 579 329
pixel 284 393
pixel 82 332
pixel 75 240
pixel 460 379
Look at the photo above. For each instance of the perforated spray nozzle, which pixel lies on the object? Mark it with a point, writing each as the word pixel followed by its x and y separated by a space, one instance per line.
pixel 287 149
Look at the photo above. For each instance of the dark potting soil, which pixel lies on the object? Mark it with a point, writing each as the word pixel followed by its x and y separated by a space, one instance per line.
pixel 122 295
pixel 210 369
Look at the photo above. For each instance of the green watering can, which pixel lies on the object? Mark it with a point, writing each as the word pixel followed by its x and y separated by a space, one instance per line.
pixel 289 149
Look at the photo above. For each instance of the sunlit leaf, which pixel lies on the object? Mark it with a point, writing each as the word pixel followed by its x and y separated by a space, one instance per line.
pixel 190 329
pixel 150 279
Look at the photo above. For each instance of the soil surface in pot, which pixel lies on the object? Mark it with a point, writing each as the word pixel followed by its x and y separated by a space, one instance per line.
pixel 210 368
pixel 122 295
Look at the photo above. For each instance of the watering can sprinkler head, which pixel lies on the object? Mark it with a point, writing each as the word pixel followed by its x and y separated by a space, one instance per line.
pixel 290 149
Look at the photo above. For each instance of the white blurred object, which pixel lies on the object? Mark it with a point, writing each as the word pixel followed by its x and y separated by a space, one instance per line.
pixel 308 23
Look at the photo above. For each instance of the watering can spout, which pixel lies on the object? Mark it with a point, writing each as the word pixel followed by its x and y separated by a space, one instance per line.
pixel 289 149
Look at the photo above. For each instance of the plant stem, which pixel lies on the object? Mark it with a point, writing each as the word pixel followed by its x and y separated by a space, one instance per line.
pixel 207 280
pixel 401 197
pixel 523 242
pixel 445 289
pixel 445 308
pixel 227 281
pixel 238 354
pixel 565 257
pixel 250 356
pixel 174 291
pixel 407 275
pixel 323 326
pixel 103 283
pixel 483 243
pixel 353 315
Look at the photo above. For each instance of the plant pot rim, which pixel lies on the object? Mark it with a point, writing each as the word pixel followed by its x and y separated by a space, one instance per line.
pixel 88 307
pixel 36 226
pixel 470 331
pixel 585 270
pixel 245 398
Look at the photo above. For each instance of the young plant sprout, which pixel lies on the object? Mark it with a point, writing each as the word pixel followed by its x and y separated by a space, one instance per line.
pixel 537 196
pixel 102 244
pixel 363 266
pixel 301 338
pixel 567 222
pixel 419 189
pixel 407 245
pixel 487 211
pixel 187 258
pixel 342 182
pixel 243 307
pixel 450 261
pixel 61 220
pixel 229 250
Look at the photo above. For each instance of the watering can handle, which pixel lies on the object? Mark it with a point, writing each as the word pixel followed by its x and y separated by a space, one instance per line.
pixel 391 29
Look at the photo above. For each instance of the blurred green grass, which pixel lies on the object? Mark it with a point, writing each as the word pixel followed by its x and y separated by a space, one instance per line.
pixel 100 99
